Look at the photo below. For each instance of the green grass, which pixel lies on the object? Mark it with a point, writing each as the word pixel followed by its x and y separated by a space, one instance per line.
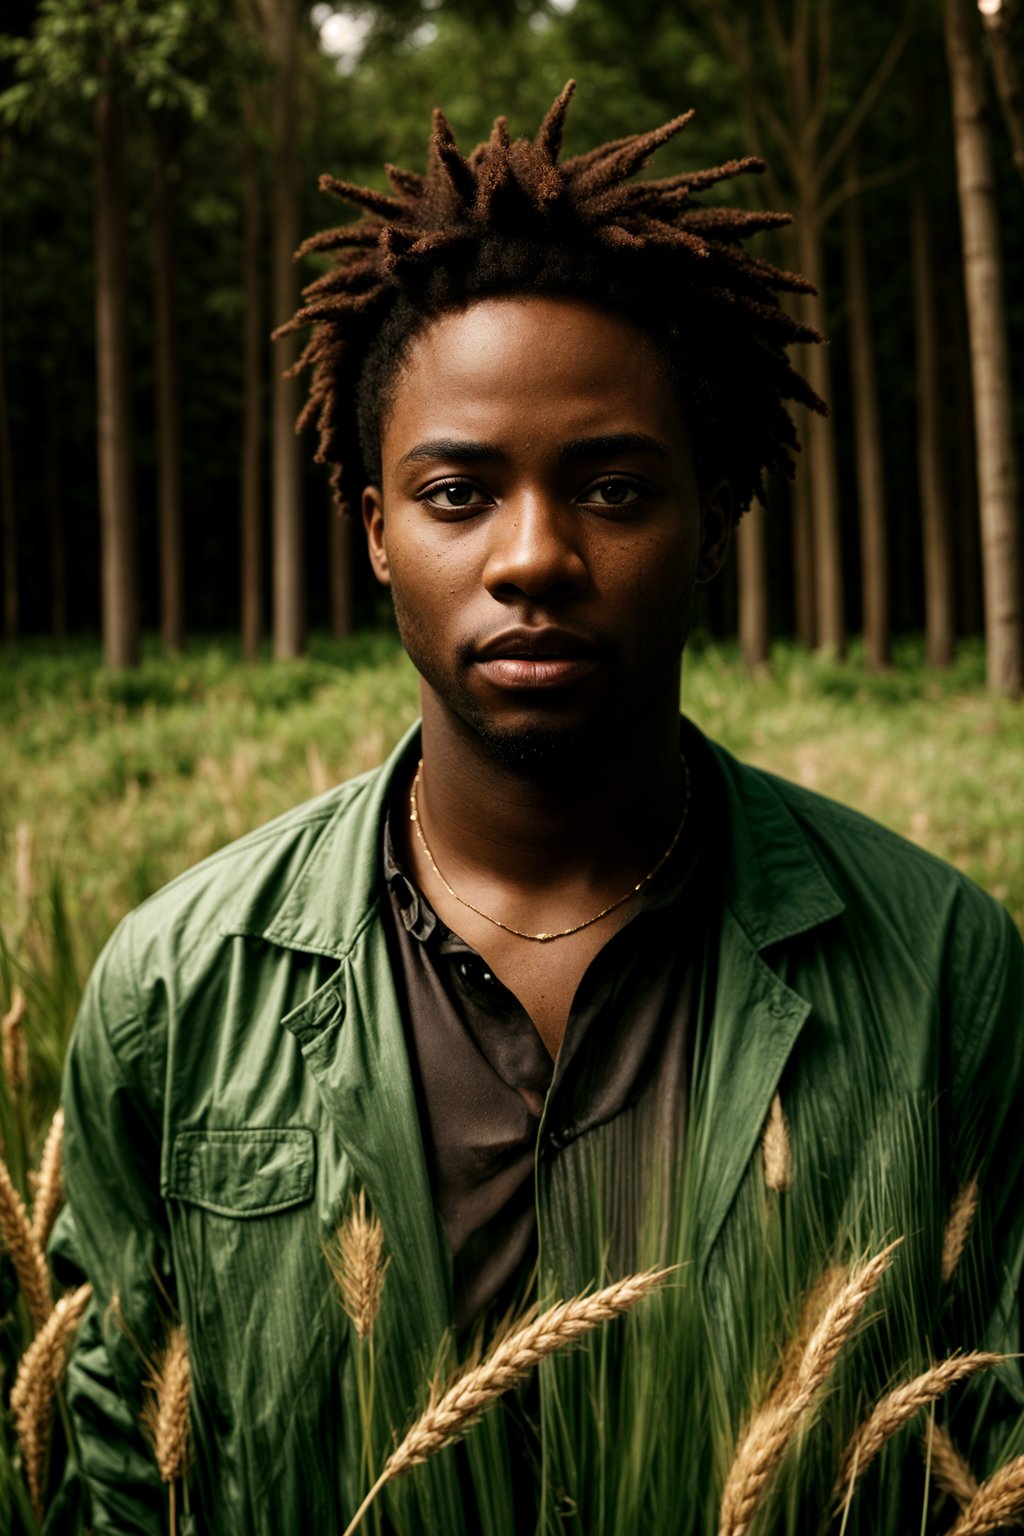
pixel 111 785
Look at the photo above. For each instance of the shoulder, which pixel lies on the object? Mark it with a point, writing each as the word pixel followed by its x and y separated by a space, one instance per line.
pixel 181 930
pixel 262 863
pixel 900 903
pixel 860 855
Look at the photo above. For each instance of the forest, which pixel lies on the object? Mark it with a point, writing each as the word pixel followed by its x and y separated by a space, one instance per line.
pixel 159 169
pixel 192 644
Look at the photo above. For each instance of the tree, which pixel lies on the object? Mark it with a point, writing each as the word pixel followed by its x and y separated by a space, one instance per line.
pixel 253 355
pixel 752 577
pixel 113 387
pixel 936 516
pixel 281 21
pixel 793 111
pixel 990 365
pixel 106 57
pixel 874 538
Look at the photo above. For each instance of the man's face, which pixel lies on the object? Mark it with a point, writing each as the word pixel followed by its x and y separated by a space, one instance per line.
pixel 539 524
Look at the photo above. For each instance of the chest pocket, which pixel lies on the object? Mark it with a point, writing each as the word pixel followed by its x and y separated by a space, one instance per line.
pixel 243 1173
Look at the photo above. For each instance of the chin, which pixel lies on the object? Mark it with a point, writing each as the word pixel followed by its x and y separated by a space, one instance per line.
pixel 543 748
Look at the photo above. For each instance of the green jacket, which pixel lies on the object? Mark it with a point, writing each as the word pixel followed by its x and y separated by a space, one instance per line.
pixel 239 1067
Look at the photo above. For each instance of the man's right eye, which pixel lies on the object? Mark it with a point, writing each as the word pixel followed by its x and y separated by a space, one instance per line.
pixel 454 495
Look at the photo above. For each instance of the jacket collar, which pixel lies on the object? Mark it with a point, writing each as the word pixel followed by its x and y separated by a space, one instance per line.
pixel 333 894
pixel 774 885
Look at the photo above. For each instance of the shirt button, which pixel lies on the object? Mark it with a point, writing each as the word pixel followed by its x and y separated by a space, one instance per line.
pixel 778 1007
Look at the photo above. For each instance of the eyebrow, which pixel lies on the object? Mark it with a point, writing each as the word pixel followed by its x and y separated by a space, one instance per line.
pixel 573 452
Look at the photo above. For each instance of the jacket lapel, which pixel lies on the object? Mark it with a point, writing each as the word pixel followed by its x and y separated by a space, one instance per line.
pixel 774 890
pixel 352 1040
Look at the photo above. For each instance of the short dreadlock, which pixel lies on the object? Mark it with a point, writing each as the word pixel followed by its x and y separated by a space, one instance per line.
pixel 512 219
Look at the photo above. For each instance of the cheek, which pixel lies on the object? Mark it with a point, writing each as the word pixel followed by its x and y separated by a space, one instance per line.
pixel 428 571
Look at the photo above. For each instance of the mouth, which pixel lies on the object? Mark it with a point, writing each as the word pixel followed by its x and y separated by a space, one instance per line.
pixel 536 658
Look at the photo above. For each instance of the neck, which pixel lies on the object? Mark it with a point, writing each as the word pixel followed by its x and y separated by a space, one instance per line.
pixel 602 815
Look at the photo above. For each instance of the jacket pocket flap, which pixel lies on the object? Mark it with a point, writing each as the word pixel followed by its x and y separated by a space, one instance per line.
pixel 251 1172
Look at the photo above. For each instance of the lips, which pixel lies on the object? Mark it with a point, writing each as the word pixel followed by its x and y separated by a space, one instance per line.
pixel 536 658
pixel 536 643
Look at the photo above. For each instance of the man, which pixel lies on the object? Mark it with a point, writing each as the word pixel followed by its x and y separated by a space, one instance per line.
pixel 537 985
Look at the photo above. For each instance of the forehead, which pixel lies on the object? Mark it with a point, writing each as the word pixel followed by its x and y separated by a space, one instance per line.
pixel 531 370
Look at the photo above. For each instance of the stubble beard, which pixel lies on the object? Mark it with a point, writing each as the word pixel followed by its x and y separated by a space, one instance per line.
pixel 550 749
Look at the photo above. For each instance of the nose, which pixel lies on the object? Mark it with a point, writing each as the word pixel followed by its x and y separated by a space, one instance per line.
pixel 536 550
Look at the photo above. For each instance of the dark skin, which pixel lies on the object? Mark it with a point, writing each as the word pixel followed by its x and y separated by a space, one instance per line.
pixel 541 529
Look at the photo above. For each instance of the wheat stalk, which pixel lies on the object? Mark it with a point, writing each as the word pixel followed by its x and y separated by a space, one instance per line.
pixel 24 878
pixel 12 1042
pixel 763 1443
pixel 949 1468
pixel 49 1190
pixel 958 1227
pixel 998 1502
pixel 39 1374
pixel 894 1410
pixel 776 1150
pixel 166 1408
pixel 358 1265
pixel 26 1254
pixel 453 1410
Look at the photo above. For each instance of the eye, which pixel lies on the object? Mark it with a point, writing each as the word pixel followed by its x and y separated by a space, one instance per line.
pixel 453 496
pixel 612 493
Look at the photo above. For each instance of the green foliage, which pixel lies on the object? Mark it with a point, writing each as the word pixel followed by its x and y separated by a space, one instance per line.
pixel 151 55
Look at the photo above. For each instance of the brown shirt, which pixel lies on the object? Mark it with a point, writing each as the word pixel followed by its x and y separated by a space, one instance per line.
pixel 486 1081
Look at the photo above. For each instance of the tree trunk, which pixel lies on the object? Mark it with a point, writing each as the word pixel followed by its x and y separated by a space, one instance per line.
pixel 339 555
pixel 117 506
pixel 959 429
pixel 822 481
pixel 8 525
pixel 253 343
pixel 289 539
pixel 802 534
pixel 54 520
pixel 168 424
pixel 752 578
pixel 936 521
pixel 990 372
pixel 874 540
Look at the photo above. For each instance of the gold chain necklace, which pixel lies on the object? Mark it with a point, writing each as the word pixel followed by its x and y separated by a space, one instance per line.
pixel 546 938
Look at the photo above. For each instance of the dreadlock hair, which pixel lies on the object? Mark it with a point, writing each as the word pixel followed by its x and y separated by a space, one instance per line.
pixel 512 219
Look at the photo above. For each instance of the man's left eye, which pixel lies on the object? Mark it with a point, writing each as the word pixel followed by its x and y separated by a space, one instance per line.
pixel 612 493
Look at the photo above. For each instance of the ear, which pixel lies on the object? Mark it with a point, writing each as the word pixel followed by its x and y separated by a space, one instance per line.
pixel 716 524
pixel 373 522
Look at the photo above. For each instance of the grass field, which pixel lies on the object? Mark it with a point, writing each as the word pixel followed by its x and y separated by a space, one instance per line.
pixel 112 784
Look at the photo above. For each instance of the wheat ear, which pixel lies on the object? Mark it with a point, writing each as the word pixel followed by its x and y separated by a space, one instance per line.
pixel 166 1409
pixel 894 1410
pixel 764 1441
pixel 457 1407
pixel 958 1228
pixel 358 1265
pixel 12 1043
pixel 776 1150
pixel 49 1190
pixel 949 1467
pixel 39 1375
pixel 998 1502
pixel 26 1254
